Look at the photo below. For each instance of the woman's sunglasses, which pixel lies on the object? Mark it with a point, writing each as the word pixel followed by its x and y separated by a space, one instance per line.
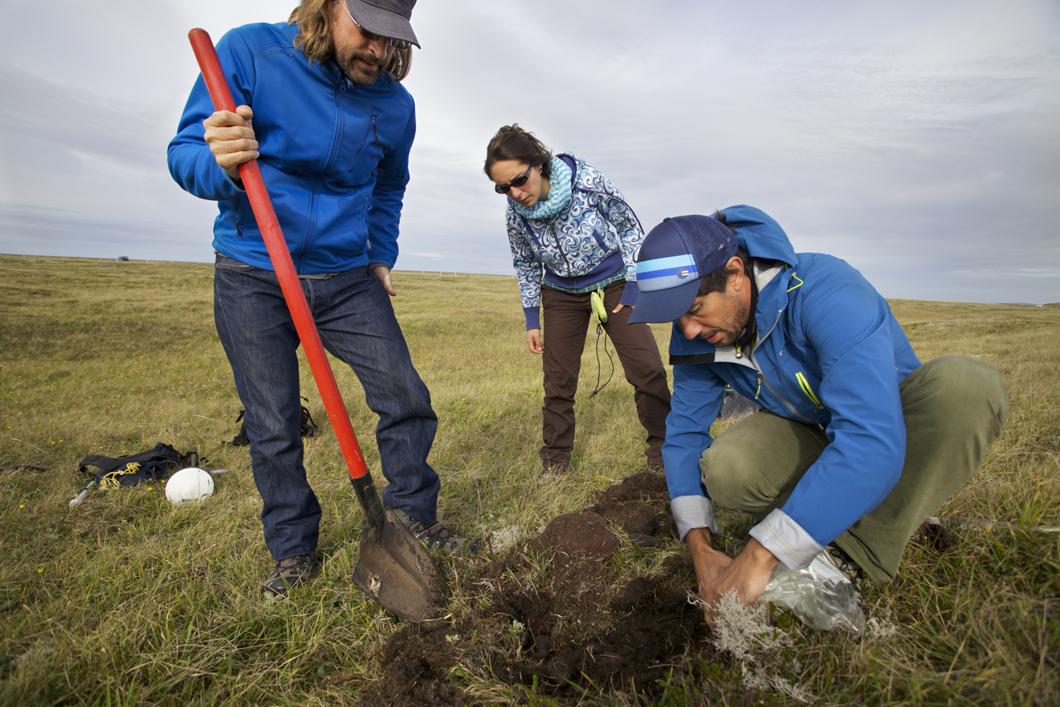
pixel 517 182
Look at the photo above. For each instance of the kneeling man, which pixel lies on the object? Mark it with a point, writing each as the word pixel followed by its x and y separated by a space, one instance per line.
pixel 856 442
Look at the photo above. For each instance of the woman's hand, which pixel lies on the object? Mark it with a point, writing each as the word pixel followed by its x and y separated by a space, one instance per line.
pixel 534 341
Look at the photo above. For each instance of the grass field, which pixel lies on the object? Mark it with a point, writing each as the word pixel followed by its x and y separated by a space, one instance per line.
pixel 126 600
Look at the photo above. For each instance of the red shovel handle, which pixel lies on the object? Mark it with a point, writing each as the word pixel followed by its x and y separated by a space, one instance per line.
pixel 264 214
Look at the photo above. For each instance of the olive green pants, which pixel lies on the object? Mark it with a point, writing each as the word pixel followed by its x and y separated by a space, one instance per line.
pixel 953 408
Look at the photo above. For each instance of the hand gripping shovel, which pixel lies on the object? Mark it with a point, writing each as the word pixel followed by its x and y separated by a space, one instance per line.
pixel 393 567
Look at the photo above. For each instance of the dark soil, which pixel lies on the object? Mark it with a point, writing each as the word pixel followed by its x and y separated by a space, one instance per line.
pixel 578 623
pixel 935 536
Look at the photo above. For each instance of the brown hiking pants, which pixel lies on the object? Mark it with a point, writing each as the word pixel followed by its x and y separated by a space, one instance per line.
pixel 566 320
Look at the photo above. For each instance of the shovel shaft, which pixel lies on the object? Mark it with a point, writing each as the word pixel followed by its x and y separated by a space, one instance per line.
pixel 271 233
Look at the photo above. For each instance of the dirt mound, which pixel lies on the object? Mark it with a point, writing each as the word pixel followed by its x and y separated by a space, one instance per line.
pixel 577 533
pixel 640 506
pixel 559 612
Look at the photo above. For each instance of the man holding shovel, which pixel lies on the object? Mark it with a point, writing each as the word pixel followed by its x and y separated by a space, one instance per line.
pixel 331 128
pixel 856 444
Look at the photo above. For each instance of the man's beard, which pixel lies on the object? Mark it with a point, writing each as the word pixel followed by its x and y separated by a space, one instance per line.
pixel 739 332
pixel 358 72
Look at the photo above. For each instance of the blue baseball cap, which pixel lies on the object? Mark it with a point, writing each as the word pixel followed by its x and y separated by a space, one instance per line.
pixel 674 257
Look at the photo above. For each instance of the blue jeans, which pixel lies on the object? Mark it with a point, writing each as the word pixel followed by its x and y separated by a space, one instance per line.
pixel 357 325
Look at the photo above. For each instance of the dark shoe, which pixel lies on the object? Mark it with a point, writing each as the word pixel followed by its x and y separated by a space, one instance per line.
pixel 289 572
pixel 436 536
pixel 553 462
pixel 847 566
pixel 555 469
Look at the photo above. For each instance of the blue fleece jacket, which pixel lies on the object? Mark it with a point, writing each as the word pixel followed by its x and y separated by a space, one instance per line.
pixel 829 353
pixel 334 155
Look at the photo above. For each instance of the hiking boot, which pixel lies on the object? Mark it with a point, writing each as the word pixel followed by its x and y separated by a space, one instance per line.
pixel 555 469
pixel 554 463
pixel 850 569
pixel 435 536
pixel 288 572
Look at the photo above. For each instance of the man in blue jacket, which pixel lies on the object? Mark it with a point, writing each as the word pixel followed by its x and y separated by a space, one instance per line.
pixel 856 442
pixel 331 128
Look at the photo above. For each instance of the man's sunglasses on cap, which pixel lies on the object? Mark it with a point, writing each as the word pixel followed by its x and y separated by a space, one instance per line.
pixel 517 182
pixel 391 42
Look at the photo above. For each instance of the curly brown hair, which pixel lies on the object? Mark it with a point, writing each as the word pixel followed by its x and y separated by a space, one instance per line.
pixel 313 18
pixel 513 143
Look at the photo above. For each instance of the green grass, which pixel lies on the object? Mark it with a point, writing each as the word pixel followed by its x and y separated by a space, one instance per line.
pixel 128 600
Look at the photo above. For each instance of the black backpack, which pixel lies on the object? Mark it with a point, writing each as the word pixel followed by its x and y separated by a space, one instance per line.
pixel 307 428
pixel 152 465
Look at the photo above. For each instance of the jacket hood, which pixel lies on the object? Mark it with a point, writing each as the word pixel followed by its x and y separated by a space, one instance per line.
pixel 759 234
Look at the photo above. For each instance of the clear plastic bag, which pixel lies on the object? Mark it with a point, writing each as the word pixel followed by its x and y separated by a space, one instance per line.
pixel 820 595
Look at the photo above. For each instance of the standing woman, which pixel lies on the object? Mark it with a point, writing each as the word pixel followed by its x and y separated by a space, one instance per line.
pixel 571 234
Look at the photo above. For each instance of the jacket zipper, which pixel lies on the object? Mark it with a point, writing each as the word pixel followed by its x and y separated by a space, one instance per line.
pixel 337 140
pixel 552 230
pixel 373 129
pixel 758 373
pixel 332 156
pixel 808 391
pixel 791 408
pixel 762 378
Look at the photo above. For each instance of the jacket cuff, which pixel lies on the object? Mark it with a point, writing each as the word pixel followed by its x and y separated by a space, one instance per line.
pixel 786 539
pixel 693 512
pixel 533 317
pixel 629 293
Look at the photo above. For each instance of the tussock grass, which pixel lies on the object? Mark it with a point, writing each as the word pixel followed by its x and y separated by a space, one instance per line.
pixel 127 600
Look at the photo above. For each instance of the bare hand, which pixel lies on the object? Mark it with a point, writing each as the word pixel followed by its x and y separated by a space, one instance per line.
pixel 534 341
pixel 231 139
pixel 383 273
pixel 748 575
pixel 708 562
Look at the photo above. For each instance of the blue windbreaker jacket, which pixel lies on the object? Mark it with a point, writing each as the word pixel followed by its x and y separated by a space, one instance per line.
pixel 334 155
pixel 829 353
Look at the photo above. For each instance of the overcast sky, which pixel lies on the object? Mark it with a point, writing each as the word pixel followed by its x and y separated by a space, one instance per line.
pixel 917 140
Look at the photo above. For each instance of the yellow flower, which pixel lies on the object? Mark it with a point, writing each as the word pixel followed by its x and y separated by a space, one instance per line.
pixel 40 570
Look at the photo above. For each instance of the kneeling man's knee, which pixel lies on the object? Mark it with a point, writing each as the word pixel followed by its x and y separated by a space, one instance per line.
pixel 961 386
pixel 722 469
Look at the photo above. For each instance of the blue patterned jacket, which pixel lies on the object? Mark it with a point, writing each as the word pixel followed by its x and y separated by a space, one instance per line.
pixel 592 241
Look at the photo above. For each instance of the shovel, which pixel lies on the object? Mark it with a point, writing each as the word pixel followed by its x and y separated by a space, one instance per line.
pixel 393 567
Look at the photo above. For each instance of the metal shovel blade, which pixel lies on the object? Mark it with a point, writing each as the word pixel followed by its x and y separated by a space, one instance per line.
pixel 394 569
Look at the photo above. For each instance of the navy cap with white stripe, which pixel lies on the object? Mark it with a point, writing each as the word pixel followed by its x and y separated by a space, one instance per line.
pixel 675 255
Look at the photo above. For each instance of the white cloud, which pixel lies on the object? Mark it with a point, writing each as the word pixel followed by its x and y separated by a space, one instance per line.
pixel 916 141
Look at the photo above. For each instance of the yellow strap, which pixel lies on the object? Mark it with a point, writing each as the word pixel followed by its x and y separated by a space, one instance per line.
pixel 596 299
pixel 110 480
pixel 795 287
